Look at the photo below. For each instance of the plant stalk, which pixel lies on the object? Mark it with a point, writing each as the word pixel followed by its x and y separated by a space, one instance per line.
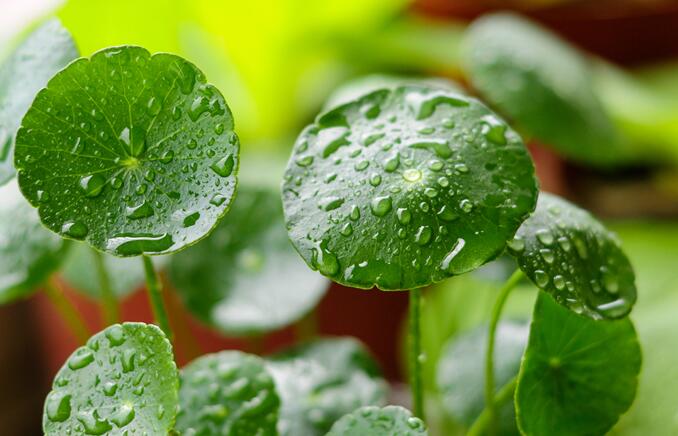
pixel 505 291
pixel 484 419
pixel 67 311
pixel 110 308
pixel 415 356
pixel 154 291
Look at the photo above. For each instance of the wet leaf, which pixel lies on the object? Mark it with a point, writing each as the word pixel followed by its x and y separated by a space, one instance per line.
pixel 228 393
pixel 321 381
pixel 375 421
pixel 569 254
pixel 45 51
pixel 130 152
pixel 578 375
pixel 406 187
pixel 543 84
pixel 29 253
pixel 123 380
pixel 246 277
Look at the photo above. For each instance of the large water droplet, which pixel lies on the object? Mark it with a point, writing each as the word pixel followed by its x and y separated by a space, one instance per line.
pixel 404 215
pixel 58 406
pixel 446 264
pixel 440 147
pixel 545 237
pixel 424 104
pixel 81 358
pixel 123 416
pixel 133 244
pixel 541 278
pixel 224 166
pixel 412 175
pixel 143 210
pixel 381 205
pixel 494 130
pixel 92 185
pixel 153 106
pixel 75 230
pixel 93 423
pixel 330 203
pixel 199 106
pixel 325 261
pixel 423 235
pixel 331 139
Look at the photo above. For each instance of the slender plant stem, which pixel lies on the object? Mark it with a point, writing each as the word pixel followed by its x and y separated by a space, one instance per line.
pixel 484 419
pixel 67 311
pixel 109 303
pixel 489 355
pixel 307 327
pixel 415 353
pixel 154 291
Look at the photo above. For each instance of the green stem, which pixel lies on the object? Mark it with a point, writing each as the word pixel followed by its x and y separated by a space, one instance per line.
pixel 415 353
pixel 154 291
pixel 307 327
pixel 109 303
pixel 484 419
pixel 489 355
pixel 67 311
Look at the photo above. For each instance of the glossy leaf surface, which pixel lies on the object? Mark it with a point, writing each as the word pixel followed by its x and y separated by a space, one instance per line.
pixel 130 152
pixel 578 375
pixel 375 421
pixel 321 381
pixel 406 187
pixel 45 51
pixel 246 277
pixel 123 381
pixel 227 393
pixel 569 254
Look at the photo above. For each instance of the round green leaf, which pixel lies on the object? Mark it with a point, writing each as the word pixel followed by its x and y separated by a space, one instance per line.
pixel 126 274
pixel 406 187
pixel 578 375
pixel 321 381
pixel 133 153
pixel 375 421
pixel 227 393
pixel 569 254
pixel 461 376
pixel 541 82
pixel 246 278
pixel 123 381
pixel 27 69
pixel 29 254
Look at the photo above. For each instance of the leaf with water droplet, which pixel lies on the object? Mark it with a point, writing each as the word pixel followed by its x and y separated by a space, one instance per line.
pixel 137 172
pixel 232 279
pixel 116 383
pixel 320 381
pixel 578 375
pixel 568 253
pixel 228 393
pixel 544 84
pixel 29 253
pixel 462 222
pixel 375 421
pixel 45 51
pixel 461 379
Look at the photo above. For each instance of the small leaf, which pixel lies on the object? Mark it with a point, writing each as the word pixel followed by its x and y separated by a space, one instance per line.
pixel 321 381
pixel 461 372
pixel 544 84
pixel 123 381
pixel 44 52
pixel 578 375
pixel 233 281
pixel 375 421
pixel 228 393
pixel 29 254
pixel 134 153
pixel 569 254
pixel 406 187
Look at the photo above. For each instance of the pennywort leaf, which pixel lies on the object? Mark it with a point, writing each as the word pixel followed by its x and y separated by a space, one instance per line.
pixel 375 421
pixel 133 153
pixel 405 187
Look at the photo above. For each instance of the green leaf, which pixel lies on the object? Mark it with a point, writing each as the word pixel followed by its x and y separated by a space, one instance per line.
pixel 543 84
pixel 133 153
pixel 569 254
pixel 232 281
pixel 228 393
pixel 29 254
pixel 375 421
pixel 406 187
pixel 27 69
pixel 578 375
pixel 126 274
pixel 123 381
pixel 321 381
pixel 461 376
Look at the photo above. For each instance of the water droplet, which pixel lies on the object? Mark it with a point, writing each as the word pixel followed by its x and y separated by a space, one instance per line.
pixel 375 180
pixel 415 423
pixel 443 182
pixel 93 423
pixel 392 163
pixel 133 244
pixel 559 282
pixel 217 200
pixel 355 213
pixel 110 388
pixel 404 215
pixel 431 192
pixel 370 139
pixel 545 237
pixel 123 416
pixel 446 264
pixel 304 161
pixel 190 220
pixel 331 139
pixel 199 106
pixel 541 278
pixel 127 359
pixel 610 282
pixel 424 104
pixel 435 165
pixel 494 130
pixel 440 147
pixel 58 406
pixel 176 113
pixel 92 185
pixel 224 167
pixel 564 243
pixel 167 157
pixel 81 358
pixel 381 205
pixel 517 244
pixel 153 106
pixel 219 128
pixel 347 229
pixel 412 175
pixel 75 230
pixel 547 255
pixel 466 205
pixel 461 168
pixel 115 335
pixel 362 165
pixel 143 210
pixel 330 203
pixel 423 235
pixel 325 261
pixel 116 182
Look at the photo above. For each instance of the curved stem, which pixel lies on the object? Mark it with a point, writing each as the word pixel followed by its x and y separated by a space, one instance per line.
pixel 154 291
pixel 484 419
pixel 415 353
pixel 67 311
pixel 489 354
pixel 109 303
